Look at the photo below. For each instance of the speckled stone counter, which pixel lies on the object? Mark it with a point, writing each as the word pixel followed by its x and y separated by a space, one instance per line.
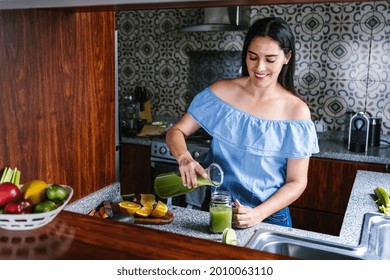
pixel 91 201
pixel 332 147
pixel 361 202
pixel 194 223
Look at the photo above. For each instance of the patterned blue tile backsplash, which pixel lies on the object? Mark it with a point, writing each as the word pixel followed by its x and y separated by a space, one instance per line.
pixel 343 57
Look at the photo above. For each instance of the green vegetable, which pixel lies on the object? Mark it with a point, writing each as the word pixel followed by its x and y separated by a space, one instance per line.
pixel 383 200
pixel 45 206
pixel 11 176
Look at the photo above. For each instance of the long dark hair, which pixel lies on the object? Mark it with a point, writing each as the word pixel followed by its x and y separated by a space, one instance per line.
pixel 278 30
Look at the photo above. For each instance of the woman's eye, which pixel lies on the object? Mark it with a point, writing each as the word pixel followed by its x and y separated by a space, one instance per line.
pixel 270 61
pixel 252 58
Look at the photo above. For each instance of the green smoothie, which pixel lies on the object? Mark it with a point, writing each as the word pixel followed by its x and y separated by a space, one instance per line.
pixel 220 218
pixel 170 185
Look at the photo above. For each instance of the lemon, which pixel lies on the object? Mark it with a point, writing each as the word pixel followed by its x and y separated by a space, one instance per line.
pixel 34 191
pixel 128 207
pixel 160 209
pixel 145 211
pixel 229 236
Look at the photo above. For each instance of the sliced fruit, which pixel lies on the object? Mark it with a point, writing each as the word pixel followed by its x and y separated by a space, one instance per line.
pixel 160 209
pixel 145 210
pixel 34 191
pixel 229 236
pixel 129 207
pixel 144 198
pixel 128 196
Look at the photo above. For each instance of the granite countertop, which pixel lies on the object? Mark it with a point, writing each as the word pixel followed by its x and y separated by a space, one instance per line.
pixel 331 146
pixel 194 223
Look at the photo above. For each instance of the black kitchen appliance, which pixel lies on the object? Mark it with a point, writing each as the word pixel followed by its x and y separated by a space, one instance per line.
pixel 375 132
pixel 348 115
pixel 359 128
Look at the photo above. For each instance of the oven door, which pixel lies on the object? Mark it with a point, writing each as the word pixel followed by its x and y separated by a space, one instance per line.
pixel 195 199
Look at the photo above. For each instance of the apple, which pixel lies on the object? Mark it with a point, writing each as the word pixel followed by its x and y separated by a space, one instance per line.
pixel 8 193
pixel 23 206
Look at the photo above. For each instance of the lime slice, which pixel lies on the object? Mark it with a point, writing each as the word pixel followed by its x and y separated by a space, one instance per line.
pixel 229 236
pixel 128 197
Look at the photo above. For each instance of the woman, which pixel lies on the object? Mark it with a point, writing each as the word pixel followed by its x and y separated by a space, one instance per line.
pixel 262 133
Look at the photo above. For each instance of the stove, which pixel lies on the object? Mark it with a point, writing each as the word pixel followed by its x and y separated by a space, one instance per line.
pixel 160 150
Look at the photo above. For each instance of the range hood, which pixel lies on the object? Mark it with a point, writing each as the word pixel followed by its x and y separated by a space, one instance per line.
pixel 222 19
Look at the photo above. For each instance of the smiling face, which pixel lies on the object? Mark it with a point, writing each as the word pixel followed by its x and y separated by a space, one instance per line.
pixel 265 59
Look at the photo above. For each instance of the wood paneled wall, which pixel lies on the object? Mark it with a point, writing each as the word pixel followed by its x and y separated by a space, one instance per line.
pixel 57 97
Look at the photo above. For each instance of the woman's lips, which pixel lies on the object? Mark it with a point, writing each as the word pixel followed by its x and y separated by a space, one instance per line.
pixel 260 75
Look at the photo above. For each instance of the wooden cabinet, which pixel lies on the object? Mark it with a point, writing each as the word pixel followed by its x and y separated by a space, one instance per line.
pixel 57 87
pixel 135 170
pixel 322 206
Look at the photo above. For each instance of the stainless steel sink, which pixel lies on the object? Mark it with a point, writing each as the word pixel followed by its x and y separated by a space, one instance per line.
pixel 374 243
pixel 376 236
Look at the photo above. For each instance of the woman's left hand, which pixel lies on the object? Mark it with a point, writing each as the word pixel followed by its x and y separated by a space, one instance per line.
pixel 244 216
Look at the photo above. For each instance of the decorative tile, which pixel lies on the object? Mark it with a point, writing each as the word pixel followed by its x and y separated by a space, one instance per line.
pixel 342 56
pixel 380 54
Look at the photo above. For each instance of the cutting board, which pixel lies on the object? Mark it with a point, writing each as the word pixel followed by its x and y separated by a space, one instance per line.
pixel 167 219
pixel 152 130
pixel 147 113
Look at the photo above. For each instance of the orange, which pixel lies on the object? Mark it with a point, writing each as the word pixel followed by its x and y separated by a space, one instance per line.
pixel 160 209
pixel 145 211
pixel 144 198
pixel 128 207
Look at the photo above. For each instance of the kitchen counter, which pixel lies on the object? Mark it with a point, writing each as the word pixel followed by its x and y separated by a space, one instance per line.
pixel 331 146
pixel 75 235
pixel 194 223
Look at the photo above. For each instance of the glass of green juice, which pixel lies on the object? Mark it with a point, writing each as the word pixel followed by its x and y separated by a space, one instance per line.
pixel 170 184
pixel 221 212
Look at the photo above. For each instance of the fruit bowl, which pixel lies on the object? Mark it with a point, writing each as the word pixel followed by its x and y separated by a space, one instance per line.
pixel 34 220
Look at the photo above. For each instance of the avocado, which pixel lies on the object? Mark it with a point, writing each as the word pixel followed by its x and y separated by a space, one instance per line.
pixel 124 218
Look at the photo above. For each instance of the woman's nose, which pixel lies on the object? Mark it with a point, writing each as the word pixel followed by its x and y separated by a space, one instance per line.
pixel 261 65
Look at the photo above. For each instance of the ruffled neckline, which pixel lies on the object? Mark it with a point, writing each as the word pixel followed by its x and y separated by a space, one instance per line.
pixel 247 132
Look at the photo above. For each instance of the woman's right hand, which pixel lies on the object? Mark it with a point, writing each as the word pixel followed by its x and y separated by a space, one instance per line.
pixel 189 168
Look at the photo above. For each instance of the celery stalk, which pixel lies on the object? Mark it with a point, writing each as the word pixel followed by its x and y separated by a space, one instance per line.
pixel 4 175
pixel 7 175
pixel 17 178
pixel 10 175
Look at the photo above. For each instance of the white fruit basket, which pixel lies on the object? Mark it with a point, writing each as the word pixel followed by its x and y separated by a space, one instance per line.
pixel 35 220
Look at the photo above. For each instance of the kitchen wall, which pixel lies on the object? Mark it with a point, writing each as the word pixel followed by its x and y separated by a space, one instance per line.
pixel 343 56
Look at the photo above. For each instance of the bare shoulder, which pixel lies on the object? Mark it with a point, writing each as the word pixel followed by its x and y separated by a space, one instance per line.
pixel 298 109
pixel 224 87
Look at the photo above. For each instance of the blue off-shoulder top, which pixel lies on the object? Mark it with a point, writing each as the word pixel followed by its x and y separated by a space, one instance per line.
pixel 252 151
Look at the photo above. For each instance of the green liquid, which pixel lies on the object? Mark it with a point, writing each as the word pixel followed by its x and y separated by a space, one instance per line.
pixel 170 185
pixel 220 218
